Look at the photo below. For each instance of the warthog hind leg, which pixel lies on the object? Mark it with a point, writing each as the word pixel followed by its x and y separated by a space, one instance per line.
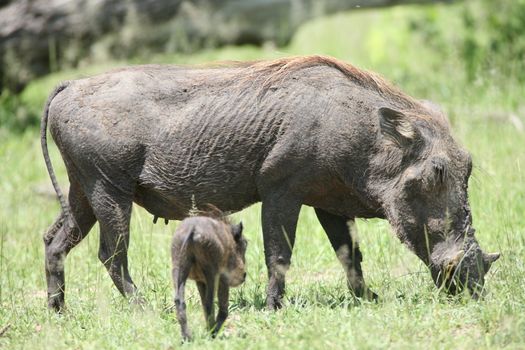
pixel 113 211
pixel 60 238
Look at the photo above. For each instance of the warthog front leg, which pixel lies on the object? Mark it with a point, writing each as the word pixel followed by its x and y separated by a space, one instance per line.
pixel 279 221
pixel 347 249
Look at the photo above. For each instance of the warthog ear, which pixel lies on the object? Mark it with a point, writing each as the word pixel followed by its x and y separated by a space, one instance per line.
pixel 432 106
pixel 437 111
pixel 396 126
pixel 488 259
pixel 237 231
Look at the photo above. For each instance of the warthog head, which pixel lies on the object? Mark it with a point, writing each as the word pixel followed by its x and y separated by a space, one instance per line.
pixel 424 177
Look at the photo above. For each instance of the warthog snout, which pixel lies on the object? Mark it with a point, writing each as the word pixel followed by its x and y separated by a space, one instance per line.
pixel 456 270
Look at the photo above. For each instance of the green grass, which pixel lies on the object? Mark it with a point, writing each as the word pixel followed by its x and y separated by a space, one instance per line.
pixel 318 312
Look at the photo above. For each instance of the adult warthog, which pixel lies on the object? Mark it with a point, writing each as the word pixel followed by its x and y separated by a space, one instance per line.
pixel 292 131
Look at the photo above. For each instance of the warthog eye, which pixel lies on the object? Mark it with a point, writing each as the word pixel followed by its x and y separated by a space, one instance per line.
pixel 440 169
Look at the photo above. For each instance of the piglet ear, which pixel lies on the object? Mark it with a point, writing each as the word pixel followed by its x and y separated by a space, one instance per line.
pixel 237 231
pixel 396 126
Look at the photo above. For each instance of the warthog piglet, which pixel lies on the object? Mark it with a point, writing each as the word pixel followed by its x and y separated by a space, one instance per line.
pixel 210 251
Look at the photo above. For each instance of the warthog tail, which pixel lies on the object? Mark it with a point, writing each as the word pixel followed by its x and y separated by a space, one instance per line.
pixel 43 139
pixel 190 238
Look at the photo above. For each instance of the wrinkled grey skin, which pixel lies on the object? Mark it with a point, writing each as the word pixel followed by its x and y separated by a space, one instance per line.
pixel 212 253
pixel 343 142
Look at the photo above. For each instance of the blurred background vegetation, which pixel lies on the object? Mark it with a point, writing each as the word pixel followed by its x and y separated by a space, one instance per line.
pixel 462 53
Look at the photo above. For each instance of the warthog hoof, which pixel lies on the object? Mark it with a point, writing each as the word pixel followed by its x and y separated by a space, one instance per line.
pixel 274 303
pixel 56 303
pixel 366 294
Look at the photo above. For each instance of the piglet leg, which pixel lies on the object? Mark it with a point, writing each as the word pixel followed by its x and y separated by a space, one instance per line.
pixel 223 295
pixel 179 278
